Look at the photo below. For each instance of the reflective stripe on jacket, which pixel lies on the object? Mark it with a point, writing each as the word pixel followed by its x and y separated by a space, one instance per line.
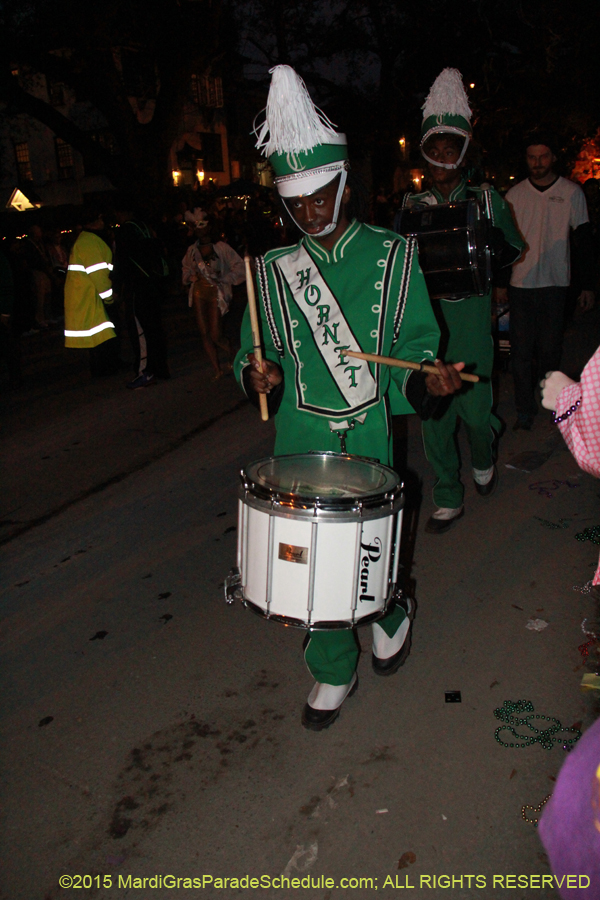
pixel 87 288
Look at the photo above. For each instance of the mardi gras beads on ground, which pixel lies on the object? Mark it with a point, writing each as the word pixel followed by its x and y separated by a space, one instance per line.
pixel 535 809
pixel 589 534
pixel 507 713
pixel 562 523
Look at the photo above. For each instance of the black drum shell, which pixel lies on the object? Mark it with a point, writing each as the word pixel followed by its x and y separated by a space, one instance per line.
pixel 453 242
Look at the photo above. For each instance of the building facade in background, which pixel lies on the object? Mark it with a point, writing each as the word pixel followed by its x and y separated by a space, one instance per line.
pixel 200 156
pixel 36 163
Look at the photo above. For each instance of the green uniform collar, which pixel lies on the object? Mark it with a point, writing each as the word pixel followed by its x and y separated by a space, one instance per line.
pixel 339 249
pixel 459 193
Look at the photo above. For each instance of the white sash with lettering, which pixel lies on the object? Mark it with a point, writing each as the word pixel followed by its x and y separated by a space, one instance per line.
pixel 310 291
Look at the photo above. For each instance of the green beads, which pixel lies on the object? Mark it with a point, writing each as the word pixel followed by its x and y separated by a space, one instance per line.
pixel 589 534
pixel 546 737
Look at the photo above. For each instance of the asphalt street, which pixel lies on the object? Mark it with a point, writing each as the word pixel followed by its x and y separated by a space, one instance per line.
pixel 148 729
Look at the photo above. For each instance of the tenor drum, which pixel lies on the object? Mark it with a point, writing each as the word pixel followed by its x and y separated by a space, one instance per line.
pixel 454 253
pixel 318 540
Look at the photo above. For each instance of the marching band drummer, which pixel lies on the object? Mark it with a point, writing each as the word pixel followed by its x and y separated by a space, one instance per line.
pixel 344 286
pixel 445 134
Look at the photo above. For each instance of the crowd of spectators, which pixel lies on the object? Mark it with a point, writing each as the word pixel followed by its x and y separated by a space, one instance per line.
pixel 37 252
pixel 247 217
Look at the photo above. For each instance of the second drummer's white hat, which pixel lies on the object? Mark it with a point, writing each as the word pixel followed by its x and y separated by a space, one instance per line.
pixel 447 111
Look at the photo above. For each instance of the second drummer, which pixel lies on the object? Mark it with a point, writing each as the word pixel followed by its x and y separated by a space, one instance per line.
pixel 344 284
pixel 445 134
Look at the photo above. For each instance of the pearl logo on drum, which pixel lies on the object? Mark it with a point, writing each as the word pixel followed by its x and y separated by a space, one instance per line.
pixel 293 554
pixel 373 556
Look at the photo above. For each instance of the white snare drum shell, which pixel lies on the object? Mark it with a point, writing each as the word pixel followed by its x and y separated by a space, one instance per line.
pixel 312 571
pixel 335 572
pixel 254 556
pixel 374 565
pixel 291 567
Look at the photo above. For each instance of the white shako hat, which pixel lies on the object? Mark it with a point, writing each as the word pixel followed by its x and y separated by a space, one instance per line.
pixel 447 111
pixel 301 143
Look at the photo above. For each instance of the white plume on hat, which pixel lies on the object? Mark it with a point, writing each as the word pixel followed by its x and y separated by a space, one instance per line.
pixel 293 124
pixel 447 96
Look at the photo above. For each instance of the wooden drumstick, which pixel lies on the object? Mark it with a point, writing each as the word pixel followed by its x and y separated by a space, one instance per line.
pixel 404 364
pixel 256 345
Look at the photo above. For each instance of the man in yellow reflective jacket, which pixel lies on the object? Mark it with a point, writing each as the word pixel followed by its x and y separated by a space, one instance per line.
pixel 88 289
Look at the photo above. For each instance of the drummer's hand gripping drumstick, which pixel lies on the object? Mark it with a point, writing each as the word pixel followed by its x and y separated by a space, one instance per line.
pixel 264 409
pixel 404 364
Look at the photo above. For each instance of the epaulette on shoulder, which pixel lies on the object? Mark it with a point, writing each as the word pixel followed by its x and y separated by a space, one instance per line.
pixel 386 232
pixel 278 252
pixel 377 228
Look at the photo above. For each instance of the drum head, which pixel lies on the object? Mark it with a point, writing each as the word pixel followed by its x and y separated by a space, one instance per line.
pixel 330 478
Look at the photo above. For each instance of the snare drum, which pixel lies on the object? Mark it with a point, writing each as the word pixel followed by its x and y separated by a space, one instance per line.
pixel 318 540
pixel 453 241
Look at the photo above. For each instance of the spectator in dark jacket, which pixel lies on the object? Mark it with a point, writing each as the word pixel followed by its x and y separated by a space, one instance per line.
pixel 137 275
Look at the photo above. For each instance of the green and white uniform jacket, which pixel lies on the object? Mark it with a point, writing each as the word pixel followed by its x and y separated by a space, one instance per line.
pixel 467 338
pixel 367 294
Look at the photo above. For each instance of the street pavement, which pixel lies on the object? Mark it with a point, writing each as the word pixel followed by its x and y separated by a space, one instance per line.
pixel 148 729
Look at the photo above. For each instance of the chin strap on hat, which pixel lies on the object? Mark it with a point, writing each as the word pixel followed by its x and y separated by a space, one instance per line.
pixel 441 165
pixel 336 211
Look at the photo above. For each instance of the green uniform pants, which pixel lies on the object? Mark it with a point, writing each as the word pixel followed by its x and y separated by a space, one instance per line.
pixel 470 341
pixel 332 656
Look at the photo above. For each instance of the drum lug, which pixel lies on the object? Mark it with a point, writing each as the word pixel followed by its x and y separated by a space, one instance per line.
pixel 233 586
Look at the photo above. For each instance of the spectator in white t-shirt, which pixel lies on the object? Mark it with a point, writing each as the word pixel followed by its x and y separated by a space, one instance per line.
pixel 547 209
